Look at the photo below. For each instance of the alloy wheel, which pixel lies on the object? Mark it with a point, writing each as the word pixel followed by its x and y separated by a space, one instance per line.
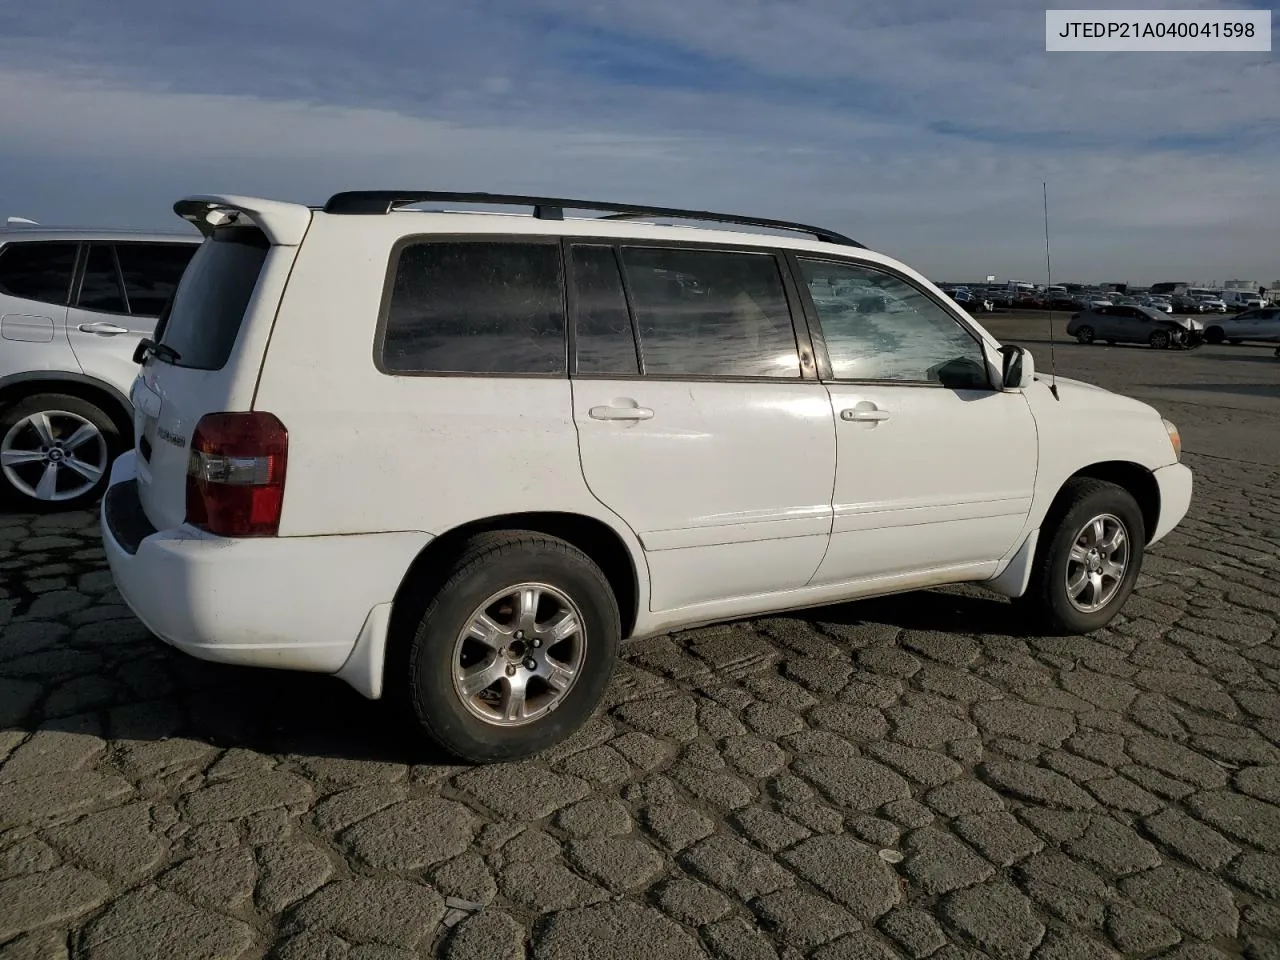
pixel 519 654
pixel 53 455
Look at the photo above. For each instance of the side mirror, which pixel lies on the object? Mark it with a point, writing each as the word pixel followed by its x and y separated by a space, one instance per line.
pixel 1017 368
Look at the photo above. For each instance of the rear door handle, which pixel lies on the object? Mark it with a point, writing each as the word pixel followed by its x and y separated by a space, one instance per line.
pixel 102 328
pixel 864 412
pixel 620 411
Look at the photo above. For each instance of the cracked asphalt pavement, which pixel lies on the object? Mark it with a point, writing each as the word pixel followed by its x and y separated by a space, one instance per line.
pixel 901 778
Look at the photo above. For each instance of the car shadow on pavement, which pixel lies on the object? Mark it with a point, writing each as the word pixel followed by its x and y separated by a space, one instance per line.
pixel 160 699
pixel 962 611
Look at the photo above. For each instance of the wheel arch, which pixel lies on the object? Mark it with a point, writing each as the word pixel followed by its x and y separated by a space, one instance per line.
pixel 597 539
pixel 1133 477
pixel 114 403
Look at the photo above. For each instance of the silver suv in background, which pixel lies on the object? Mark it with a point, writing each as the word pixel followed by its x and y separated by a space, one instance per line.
pixel 74 305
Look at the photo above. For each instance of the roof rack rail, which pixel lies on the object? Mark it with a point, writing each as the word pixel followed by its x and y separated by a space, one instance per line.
pixel 553 208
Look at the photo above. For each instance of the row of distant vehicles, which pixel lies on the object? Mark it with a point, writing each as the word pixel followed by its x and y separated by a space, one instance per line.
pixel 1161 321
pixel 1192 302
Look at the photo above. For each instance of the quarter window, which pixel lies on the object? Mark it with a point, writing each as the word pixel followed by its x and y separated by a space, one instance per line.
pixel 710 313
pixel 38 271
pixel 476 307
pixel 878 326
pixel 100 290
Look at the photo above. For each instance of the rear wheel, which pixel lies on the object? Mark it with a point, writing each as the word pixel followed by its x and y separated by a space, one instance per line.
pixel 1159 340
pixel 1214 335
pixel 1085 334
pixel 56 452
pixel 1088 559
pixel 515 650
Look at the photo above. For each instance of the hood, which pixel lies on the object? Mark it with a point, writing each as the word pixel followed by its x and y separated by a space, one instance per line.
pixel 1094 397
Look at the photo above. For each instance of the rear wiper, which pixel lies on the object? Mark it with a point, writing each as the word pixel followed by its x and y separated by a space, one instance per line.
pixel 161 351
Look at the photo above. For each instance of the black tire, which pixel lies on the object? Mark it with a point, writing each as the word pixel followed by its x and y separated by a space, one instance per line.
pixel 1160 340
pixel 1047 600
pixel 1085 334
pixel 1214 335
pixel 489 564
pixel 102 452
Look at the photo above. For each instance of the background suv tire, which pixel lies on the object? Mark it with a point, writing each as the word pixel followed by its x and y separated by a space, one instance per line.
pixel 56 452
pixel 514 651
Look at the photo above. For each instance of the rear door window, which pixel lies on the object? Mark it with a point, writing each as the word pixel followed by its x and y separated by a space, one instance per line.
pixel 100 289
pixel 710 313
pixel 39 270
pixel 477 307
pixel 151 272
pixel 210 302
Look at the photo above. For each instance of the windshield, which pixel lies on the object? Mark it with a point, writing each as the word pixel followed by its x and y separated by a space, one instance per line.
pixel 209 305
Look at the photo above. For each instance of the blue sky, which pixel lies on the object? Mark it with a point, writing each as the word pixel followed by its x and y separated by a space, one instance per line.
pixel 924 129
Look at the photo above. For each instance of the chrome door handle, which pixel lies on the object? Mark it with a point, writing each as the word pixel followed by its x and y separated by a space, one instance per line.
pixel 864 413
pixel 103 328
pixel 620 413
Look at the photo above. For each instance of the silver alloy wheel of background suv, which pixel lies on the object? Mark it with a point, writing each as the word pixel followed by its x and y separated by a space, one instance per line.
pixel 53 455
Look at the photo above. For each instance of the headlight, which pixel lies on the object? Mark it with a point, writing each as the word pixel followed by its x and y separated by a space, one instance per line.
pixel 1175 438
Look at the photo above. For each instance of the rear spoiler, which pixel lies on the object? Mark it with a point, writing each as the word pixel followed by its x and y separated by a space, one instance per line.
pixel 285 224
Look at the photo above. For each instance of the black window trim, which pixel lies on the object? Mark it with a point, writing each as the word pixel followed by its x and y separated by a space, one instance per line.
pixel 83 268
pixel 799 327
pixel 388 288
pixel 571 302
pixel 827 374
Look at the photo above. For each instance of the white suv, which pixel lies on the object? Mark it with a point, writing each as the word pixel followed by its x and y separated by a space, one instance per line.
pixel 455 458
pixel 73 306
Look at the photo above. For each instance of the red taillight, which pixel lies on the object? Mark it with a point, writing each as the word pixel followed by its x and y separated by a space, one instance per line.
pixel 235 475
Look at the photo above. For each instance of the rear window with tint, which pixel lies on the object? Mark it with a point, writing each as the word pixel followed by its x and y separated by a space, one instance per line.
pixel 210 302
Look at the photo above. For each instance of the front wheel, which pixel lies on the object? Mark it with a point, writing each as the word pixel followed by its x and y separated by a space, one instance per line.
pixel 1159 340
pixel 514 652
pixel 1088 558
pixel 1085 334
pixel 1214 335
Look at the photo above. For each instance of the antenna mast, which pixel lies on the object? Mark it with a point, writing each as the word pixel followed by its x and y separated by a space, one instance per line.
pixel 1048 268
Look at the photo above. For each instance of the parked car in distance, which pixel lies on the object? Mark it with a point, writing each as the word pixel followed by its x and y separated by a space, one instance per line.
pixel 970 300
pixel 1212 305
pixel 1241 300
pixel 359 455
pixel 1128 323
pixel 1262 324
pixel 73 306
pixel 1156 303
pixel 1187 304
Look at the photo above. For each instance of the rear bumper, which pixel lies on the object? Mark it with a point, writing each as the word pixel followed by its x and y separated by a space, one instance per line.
pixel 1175 483
pixel 294 603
